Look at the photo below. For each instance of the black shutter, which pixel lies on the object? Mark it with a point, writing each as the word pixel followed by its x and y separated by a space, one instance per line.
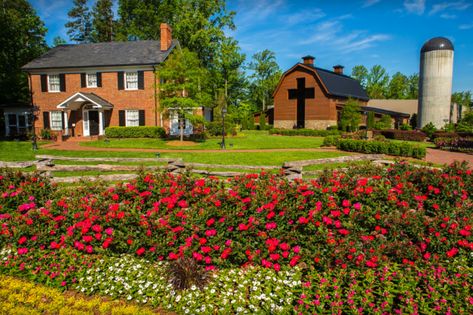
pixel 62 82
pixel 99 79
pixel 62 121
pixel 141 80
pixel 82 80
pixel 44 83
pixel 120 80
pixel 121 118
pixel 46 124
pixel 141 117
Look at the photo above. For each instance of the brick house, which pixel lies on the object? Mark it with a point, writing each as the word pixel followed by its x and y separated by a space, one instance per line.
pixel 311 97
pixel 82 89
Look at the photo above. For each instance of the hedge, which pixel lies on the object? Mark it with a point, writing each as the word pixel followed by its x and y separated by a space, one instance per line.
pixel 135 132
pixel 330 141
pixel 444 134
pixel 406 135
pixel 382 147
pixel 304 132
pixel 454 143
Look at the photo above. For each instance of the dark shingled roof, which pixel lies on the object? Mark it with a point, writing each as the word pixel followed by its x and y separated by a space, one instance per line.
pixel 437 43
pixel 342 85
pixel 145 52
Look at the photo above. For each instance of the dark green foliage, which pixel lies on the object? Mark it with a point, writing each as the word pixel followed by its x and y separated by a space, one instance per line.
pixel 413 121
pixel 251 122
pixel 58 41
pixel 370 120
pixel 405 127
pixel 262 121
pixel 135 132
pixel 350 117
pixel 79 27
pixel 22 39
pixel 390 148
pixel 304 132
pixel 406 135
pixel 103 23
pixel 215 128
pixel 429 129
pixel 330 141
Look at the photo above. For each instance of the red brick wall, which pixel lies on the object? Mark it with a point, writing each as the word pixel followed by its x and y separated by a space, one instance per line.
pixel 120 99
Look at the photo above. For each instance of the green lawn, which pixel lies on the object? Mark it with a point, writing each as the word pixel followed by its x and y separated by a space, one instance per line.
pixel 245 140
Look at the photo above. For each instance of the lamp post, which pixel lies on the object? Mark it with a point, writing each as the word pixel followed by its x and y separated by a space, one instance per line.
pixel 224 112
pixel 34 112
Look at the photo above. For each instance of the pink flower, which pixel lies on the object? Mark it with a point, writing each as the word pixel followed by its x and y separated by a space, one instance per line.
pixel 22 250
pixel 228 243
pixel 271 225
pixel 109 231
pixel 212 232
pixel 296 249
pixel 357 206
pixel 140 251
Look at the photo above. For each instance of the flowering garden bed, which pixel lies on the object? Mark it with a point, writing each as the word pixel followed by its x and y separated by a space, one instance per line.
pixel 368 240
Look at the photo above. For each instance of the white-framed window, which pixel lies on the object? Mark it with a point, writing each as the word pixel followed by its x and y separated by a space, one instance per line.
pixel 54 83
pixel 56 120
pixel 132 118
pixel 131 80
pixel 91 80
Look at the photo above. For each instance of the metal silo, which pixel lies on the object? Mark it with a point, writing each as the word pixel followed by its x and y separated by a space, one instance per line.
pixel 435 82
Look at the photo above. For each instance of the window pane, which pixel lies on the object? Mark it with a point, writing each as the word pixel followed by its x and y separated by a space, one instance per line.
pixel 132 118
pixel 54 83
pixel 91 80
pixel 131 80
pixel 56 120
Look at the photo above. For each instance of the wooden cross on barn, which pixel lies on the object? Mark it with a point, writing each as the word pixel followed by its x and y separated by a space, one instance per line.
pixel 301 94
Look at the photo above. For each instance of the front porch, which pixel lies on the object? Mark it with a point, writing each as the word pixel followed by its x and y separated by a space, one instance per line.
pixel 81 115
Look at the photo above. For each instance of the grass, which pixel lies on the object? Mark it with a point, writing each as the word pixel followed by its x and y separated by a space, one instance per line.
pixel 246 140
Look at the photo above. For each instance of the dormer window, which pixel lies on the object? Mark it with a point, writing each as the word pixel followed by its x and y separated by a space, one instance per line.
pixel 54 83
pixel 131 80
pixel 91 80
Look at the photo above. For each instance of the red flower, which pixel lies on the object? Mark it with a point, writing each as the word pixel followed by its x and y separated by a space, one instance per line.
pixel 206 249
pixel 210 222
pixel 173 256
pixel 212 232
pixel 271 225
pixel 22 240
pixel 452 252
pixel 140 251
pixel 242 227
pixel 22 251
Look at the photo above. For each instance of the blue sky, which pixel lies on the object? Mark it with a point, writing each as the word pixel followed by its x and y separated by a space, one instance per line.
pixel 367 32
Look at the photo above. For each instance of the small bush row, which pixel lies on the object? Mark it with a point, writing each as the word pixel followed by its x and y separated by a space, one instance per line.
pixel 135 132
pixel 382 147
pixel 444 134
pixel 405 135
pixel 454 143
pixel 303 132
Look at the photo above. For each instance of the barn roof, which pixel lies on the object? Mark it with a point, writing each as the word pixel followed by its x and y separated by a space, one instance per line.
pixel 144 52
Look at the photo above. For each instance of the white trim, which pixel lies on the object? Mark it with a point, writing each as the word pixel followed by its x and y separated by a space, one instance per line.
pixel 101 123
pixel 48 85
pixel 94 69
pixel 51 119
pixel 66 125
pixel 79 94
pixel 85 122
pixel 126 117
pixel 87 80
pixel 137 81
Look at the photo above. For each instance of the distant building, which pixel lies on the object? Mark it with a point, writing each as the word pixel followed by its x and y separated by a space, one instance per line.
pixel 312 97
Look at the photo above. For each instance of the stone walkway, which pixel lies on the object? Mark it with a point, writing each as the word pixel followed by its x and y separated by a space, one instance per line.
pixel 447 157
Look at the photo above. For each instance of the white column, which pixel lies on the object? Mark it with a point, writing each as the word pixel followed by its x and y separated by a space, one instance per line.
pixel 66 124
pixel 101 122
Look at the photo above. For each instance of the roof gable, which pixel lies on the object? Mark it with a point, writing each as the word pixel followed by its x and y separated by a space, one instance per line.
pixel 333 83
pixel 146 52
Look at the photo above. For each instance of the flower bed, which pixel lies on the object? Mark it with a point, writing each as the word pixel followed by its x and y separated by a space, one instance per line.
pixel 405 135
pixel 364 225
pixel 455 144
pixel 304 132
pixel 383 147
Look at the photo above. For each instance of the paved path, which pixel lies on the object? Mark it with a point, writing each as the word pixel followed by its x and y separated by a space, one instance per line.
pixel 447 157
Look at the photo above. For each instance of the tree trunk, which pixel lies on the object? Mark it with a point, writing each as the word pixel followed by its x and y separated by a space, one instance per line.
pixel 181 127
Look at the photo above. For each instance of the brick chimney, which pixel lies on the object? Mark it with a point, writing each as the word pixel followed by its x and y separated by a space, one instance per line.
pixel 338 69
pixel 308 60
pixel 166 36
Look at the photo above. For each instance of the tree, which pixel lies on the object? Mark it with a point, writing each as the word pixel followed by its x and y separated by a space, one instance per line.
pixel 265 77
pixel 413 86
pixel 350 117
pixel 384 123
pixel 398 87
pixel 183 85
pixel 102 23
pixel 370 120
pixel 22 34
pixel 58 41
pixel 462 100
pixel 377 81
pixel 360 73
pixel 79 28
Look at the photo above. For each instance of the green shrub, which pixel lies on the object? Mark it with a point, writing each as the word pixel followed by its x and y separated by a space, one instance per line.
pixel 330 141
pixel 45 134
pixel 384 123
pixel 379 138
pixel 374 147
pixel 262 121
pixel 370 120
pixel 304 132
pixel 135 132
pixel 214 128
pixel 405 127
pixel 429 129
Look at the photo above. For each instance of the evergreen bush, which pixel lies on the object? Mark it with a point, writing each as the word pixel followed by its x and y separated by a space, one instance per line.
pixel 135 132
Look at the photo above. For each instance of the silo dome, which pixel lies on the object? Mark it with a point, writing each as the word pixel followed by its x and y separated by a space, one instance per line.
pixel 437 43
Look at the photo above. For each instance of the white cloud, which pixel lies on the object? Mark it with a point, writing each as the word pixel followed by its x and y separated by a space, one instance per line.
pixel 256 10
pixel 466 26
pixel 458 6
pixel 448 16
pixel 304 17
pixel 415 6
pixel 369 3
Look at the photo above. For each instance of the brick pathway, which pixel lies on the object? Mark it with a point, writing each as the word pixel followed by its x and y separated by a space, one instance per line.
pixel 446 157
